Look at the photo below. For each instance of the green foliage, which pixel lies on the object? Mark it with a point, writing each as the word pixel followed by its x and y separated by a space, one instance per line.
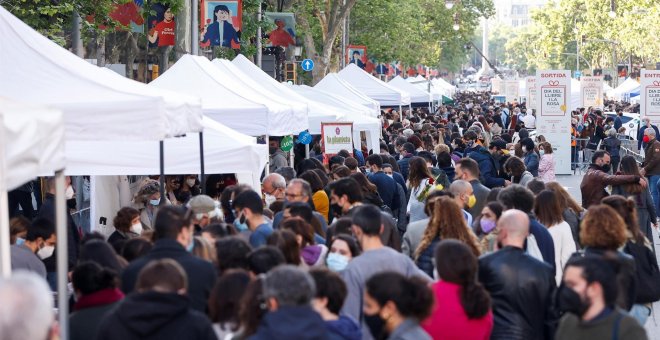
pixel 47 17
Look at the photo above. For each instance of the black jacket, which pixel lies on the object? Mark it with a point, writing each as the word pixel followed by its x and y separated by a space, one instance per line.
pixel 201 274
pixel 522 289
pixel 47 211
pixel 290 322
pixel 153 315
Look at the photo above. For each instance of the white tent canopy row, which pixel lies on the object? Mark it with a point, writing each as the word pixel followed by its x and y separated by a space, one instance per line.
pixel 436 91
pixel 624 89
pixel 417 95
pixel 36 70
pixel 332 83
pixel 373 87
pixel 355 113
pixel 292 121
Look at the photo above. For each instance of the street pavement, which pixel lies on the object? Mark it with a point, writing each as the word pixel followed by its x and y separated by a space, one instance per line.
pixel 572 184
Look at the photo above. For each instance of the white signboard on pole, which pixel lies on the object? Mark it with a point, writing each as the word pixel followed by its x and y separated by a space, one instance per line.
pixel 553 120
pixel 591 91
pixel 511 89
pixel 650 92
pixel 337 137
pixel 496 85
pixel 530 83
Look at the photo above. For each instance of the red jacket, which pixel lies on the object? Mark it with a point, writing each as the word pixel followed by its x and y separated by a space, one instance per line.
pixel 449 321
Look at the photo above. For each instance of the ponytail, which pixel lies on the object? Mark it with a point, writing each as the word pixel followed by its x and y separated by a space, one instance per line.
pixel 474 299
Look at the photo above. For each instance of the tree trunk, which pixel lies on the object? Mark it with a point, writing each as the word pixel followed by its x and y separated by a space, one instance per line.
pixel 100 50
pixel 131 50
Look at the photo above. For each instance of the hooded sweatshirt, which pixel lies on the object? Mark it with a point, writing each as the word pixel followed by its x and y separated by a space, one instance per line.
pixel 153 315
pixel 344 328
pixel 314 255
pixel 291 322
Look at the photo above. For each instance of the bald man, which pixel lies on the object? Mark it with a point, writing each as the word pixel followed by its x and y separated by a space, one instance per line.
pixel 464 196
pixel 521 287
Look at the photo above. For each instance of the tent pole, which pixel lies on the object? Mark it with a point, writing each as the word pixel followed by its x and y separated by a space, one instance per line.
pixel 201 162
pixel 291 154
pixel 162 173
pixel 401 113
pixel 62 255
pixel 267 170
pixel 306 151
pixel 5 254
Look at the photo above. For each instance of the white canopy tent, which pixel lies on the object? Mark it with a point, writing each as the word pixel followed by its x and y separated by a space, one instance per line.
pixel 334 84
pixel 441 83
pixel 318 112
pixel 629 86
pixel 355 113
pixel 374 88
pixel 417 95
pixel 436 92
pixel 222 100
pixel 291 122
pixel 36 70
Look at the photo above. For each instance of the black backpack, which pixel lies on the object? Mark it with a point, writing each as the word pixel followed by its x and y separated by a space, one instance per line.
pixel 647 273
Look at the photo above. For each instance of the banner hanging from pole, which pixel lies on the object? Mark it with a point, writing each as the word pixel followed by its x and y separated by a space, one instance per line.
pixel 591 91
pixel 530 87
pixel 336 137
pixel 650 92
pixel 553 120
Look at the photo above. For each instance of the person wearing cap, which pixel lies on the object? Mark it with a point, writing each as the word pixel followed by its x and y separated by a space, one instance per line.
pixel 205 211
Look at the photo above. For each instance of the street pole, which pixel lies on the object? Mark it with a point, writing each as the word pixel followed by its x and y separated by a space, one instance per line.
pixel 344 39
pixel 577 52
pixel 76 41
pixel 195 28
pixel 259 52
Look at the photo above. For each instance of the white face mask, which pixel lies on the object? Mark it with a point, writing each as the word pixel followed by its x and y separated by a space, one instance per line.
pixel 137 228
pixel 45 252
pixel 191 182
pixel 154 202
pixel 270 199
pixel 68 193
pixel 541 152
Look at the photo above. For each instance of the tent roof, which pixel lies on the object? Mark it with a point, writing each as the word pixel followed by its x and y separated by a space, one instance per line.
pixel 225 151
pixel 334 84
pixel 292 121
pixel 443 84
pixel 33 142
pixel 628 86
pixel 97 103
pixel 417 95
pixel 222 100
pixel 375 89
pixel 318 112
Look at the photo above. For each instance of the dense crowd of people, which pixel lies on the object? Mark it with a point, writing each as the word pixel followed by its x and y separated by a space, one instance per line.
pixel 454 227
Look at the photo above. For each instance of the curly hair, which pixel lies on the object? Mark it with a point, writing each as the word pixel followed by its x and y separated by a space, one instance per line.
pixel 447 222
pixel 515 166
pixel 602 227
pixel 122 220
pixel 147 188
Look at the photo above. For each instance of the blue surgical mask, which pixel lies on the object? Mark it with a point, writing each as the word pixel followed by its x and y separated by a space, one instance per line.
pixel 154 202
pixel 240 224
pixel 337 262
pixel 190 247
pixel 20 241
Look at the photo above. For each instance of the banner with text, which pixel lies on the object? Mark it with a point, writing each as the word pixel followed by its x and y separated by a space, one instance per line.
pixel 337 137
pixel 591 91
pixel 650 92
pixel 496 85
pixel 511 89
pixel 530 87
pixel 553 120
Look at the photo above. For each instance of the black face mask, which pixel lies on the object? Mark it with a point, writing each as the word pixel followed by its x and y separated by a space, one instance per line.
pixel 271 150
pixel 570 301
pixel 376 326
pixel 71 204
pixel 605 167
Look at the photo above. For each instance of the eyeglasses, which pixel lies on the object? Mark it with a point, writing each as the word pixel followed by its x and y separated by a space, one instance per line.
pixel 292 195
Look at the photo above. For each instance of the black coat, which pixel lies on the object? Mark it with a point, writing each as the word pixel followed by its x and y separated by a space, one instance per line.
pixel 201 274
pixel 152 315
pixel 522 289
pixel 47 211
pixel 289 322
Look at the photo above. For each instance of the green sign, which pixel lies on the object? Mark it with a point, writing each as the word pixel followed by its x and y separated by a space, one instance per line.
pixel 287 144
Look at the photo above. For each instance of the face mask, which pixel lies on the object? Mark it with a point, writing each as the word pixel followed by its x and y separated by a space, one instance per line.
pixel 337 262
pixel 20 241
pixel 71 203
pixel 487 225
pixel 471 201
pixel 240 224
pixel 605 167
pixel 68 193
pixel 541 152
pixel 45 252
pixel 390 175
pixel 137 228
pixel 524 149
pixel 646 139
pixel 190 246
pixel 272 150
pixel 570 301
pixel 154 202
pixel 191 182
pixel 270 199
pixel 376 325
pixel 367 170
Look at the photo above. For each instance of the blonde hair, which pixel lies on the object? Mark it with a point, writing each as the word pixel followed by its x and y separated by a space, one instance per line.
pixel 447 222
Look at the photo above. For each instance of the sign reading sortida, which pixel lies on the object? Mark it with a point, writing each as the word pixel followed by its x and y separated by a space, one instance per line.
pixel 531 92
pixel 591 91
pixel 650 92
pixel 337 137
pixel 553 119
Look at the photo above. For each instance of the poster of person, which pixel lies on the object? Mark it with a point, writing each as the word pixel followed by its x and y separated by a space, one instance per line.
pixel 283 33
pixel 357 55
pixel 622 71
pixel 162 28
pixel 222 23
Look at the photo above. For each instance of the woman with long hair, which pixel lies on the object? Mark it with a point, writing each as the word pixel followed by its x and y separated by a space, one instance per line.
pixel 419 177
pixel 446 222
pixel 319 196
pixel 225 301
pixel 394 305
pixel 312 254
pixel 571 210
pixel 463 306
pixel 547 163
pixel 646 213
pixel 515 167
pixel 285 240
pixel 548 211
pixel 369 190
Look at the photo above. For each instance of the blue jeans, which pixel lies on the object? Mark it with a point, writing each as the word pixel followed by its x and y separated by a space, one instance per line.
pixel 653 185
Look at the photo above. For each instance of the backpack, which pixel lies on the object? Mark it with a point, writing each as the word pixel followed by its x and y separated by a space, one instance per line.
pixel 647 274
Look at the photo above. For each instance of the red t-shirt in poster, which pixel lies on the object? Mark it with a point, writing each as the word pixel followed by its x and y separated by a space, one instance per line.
pixel 166 33
pixel 280 37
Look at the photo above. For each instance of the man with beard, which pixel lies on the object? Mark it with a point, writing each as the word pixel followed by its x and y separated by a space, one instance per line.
pixel 588 295
pixel 596 179
pixel 497 148
pixel 277 156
